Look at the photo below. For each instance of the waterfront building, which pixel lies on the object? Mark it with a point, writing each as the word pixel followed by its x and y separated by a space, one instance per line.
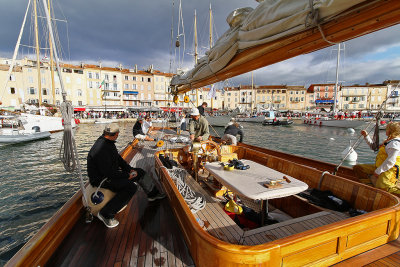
pixel 271 97
pixel 362 97
pixel 231 98
pixel 15 92
pixel 323 95
pixel 393 94
pixel 296 98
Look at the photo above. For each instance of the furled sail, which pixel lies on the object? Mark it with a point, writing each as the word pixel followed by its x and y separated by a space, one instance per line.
pixel 280 29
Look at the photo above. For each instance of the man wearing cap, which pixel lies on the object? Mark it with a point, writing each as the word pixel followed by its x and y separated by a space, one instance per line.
pixel 198 127
pixel 138 132
pixel 106 168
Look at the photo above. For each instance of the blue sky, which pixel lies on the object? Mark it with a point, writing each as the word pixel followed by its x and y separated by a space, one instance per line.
pixel 139 32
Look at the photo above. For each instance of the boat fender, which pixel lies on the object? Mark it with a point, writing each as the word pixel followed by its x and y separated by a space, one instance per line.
pixel 350 130
pixel 352 154
pixel 320 123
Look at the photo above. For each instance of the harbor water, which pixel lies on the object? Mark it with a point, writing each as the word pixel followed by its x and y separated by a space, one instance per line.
pixel 34 183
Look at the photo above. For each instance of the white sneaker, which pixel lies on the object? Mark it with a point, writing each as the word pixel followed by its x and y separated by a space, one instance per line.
pixel 110 223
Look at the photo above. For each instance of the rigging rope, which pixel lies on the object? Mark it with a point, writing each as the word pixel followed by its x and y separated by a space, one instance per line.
pixel 195 203
pixel 70 157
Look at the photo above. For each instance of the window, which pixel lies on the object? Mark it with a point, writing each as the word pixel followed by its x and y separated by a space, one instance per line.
pixel 115 86
pixel 57 91
pixel 133 78
pixel 32 90
pixel 126 86
pixel 79 103
pixel 12 77
pixel 12 90
pixel 134 86
pixel 114 78
pixel 79 92
pixel 97 75
pixel 57 102
pixel 106 77
pixel 126 77
pixel 90 76
pixel 142 79
pixel 90 84
pixel 78 71
pixel 30 79
pixel 326 95
pixel 326 89
pixel 283 91
pixel 44 90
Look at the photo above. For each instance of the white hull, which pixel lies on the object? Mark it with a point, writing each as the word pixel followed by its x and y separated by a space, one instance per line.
pixel 102 120
pixel 9 136
pixel 45 123
pixel 334 123
pixel 252 119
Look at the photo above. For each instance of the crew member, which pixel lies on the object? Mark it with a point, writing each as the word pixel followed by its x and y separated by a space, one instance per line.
pixel 202 108
pixel 198 127
pixel 230 133
pixel 384 173
pixel 107 168
pixel 138 132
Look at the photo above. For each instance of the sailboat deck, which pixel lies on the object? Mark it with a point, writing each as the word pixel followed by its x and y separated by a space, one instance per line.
pixel 148 233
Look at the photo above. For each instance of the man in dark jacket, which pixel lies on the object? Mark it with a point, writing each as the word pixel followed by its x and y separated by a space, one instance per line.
pixel 106 168
pixel 202 108
pixel 230 133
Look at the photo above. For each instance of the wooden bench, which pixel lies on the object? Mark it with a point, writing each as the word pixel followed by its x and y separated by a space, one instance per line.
pixel 290 227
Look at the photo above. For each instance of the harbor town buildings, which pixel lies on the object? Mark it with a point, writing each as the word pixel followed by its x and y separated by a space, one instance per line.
pixel 103 88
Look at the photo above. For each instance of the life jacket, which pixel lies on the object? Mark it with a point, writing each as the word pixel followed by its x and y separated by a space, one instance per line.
pixel 382 156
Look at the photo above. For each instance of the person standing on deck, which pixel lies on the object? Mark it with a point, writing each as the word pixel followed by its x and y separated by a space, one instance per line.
pixel 384 173
pixel 106 168
pixel 198 127
pixel 230 133
pixel 202 108
pixel 138 132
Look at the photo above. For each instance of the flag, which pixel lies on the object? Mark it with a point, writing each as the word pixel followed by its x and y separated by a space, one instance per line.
pixel 212 92
pixel 102 83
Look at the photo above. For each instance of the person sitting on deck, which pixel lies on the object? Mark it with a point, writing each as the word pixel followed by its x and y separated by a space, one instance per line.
pixel 106 168
pixel 230 133
pixel 138 130
pixel 198 127
pixel 384 173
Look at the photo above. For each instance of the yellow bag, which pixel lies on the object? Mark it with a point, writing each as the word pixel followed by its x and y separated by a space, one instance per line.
pixel 232 206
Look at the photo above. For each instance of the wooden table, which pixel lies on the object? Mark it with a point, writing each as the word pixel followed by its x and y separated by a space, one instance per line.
pixel 250 182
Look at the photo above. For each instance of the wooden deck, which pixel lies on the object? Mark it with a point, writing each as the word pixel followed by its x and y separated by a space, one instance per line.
pixel 148 233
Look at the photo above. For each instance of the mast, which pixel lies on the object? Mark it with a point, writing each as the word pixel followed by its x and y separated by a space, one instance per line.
pixel 53 89
pixel 337 79
pixel 37 53
pixel 211 47
pixel 252 95
pixel 195 51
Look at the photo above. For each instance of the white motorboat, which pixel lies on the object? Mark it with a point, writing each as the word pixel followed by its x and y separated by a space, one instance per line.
pixel 330 122
pixel 15 135
pixel 218 121
pixel 45 123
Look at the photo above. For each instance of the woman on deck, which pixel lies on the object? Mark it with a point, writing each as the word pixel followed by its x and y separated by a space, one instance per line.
pixel 384 173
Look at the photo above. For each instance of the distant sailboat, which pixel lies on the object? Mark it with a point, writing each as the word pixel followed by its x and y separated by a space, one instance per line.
pixel 331 121
pixel 30 121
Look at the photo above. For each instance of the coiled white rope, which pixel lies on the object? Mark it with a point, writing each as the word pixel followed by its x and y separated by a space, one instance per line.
pixel 194 202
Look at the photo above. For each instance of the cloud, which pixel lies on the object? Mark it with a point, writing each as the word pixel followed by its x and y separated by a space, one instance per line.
pixel 139 32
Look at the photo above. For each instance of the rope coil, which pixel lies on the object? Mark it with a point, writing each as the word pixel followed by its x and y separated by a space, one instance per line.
pixel 194 202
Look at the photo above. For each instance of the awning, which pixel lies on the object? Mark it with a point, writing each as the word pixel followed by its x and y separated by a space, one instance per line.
pixel 171 109
pixel 79 109
pixel 131 93
pixel 324 101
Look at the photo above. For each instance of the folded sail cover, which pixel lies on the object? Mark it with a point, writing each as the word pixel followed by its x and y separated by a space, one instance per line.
pixel 272 19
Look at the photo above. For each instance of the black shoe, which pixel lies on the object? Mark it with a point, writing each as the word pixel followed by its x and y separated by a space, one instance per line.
pixel 155 194
pixel 110 223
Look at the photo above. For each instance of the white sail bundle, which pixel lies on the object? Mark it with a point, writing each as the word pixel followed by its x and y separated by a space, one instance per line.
pixel 270 20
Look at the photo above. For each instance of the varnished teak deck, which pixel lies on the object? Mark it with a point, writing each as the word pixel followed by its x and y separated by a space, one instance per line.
pixel 149 235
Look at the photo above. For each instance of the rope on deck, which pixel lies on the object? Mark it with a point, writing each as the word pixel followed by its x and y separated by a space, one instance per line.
pixel 194 202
